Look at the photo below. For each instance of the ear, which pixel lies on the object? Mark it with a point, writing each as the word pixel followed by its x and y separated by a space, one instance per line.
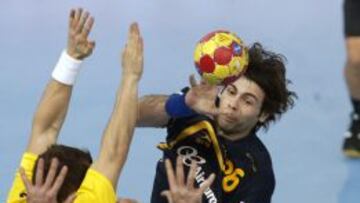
pixel 263 116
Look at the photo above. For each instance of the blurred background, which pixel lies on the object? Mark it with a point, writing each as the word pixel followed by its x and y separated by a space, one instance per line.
pixel 305 144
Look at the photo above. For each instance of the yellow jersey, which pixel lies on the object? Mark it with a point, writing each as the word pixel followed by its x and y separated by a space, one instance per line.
pixel 95 187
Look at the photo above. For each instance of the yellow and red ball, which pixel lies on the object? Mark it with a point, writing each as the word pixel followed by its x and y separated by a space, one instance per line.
pixel 221 57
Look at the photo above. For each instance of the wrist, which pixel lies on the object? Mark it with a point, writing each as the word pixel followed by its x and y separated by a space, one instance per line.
pixel 66 69
pixel 72 54
pixel 130 76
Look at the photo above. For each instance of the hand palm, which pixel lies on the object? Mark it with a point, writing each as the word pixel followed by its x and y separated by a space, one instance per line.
pixel 80 25
pixel 132 56
pixel 188 196
pixel 201 97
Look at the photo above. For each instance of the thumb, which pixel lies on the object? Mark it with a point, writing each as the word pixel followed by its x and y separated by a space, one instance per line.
pixel 192 80
pixel 91 44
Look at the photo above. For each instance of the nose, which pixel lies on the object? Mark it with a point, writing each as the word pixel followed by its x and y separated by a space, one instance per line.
pixel 232 104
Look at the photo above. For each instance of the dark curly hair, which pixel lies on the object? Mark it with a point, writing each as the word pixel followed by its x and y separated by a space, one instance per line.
pixel 267 69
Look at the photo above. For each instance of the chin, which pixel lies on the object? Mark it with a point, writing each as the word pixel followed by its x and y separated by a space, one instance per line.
pixel 225 126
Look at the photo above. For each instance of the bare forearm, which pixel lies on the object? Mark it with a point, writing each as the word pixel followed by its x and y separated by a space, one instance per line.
pixel 122 122
pixel 53 106
pixel 119 132
pixel 49 116
pixel 151 111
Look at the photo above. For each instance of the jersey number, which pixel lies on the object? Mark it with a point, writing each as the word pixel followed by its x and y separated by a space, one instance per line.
pixel 232 178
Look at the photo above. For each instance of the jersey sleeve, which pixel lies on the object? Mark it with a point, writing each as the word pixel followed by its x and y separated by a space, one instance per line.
pixel 17 192
pixel 95 188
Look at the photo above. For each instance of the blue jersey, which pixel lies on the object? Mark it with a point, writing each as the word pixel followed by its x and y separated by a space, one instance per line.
pixel 243 168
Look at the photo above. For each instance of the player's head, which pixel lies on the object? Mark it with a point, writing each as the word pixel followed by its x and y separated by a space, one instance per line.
pixel 77 161
pixel 258 97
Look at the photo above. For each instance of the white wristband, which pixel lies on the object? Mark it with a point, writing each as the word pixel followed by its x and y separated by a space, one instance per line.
pixel 66 69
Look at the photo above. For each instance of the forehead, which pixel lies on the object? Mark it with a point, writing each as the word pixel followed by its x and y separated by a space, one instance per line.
pixel 246 86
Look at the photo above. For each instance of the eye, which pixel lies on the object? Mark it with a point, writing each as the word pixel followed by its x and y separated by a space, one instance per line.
pixel 231 91
pixel 249 101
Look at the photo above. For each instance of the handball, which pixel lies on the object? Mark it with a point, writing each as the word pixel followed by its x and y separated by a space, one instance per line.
pixel 221 57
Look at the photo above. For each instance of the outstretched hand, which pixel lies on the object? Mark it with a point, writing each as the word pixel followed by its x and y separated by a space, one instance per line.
pixel 80 24
pixel 45 191
pixel 181 191
pixel 202 97
pixel 132 56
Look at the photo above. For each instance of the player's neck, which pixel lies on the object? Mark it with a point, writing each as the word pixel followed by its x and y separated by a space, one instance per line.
pixel 234 136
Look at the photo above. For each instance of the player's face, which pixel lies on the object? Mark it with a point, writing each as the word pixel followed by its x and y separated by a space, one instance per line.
pixel 242 100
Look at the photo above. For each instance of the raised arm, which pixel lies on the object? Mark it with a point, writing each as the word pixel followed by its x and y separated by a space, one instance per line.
pixel 119 131
pixel 53 106
pixel 151 111
pixel 156 110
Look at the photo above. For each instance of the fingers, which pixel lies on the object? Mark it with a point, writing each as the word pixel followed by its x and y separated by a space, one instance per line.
pixel 39 172
pixel 179 172
pixel 204 82
pixel 134 37
pixel 77 15
pixel 59 180
pixel 88 26
pixel 40 189
pixel 167 194
pixel 72 18
pixel 191 176
pixel 139 41
pixel 91 45
pixel 134 41
pixel 206 184
pixel 25 179
pixel 134 29
pixel 70 198
pixel 170 174
pixel 132 55
pixel 52 172
pixel 132 34
pixel 81 23
pixel 141 44
pixel 140 50
pixel 177 185
pixel 192 80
